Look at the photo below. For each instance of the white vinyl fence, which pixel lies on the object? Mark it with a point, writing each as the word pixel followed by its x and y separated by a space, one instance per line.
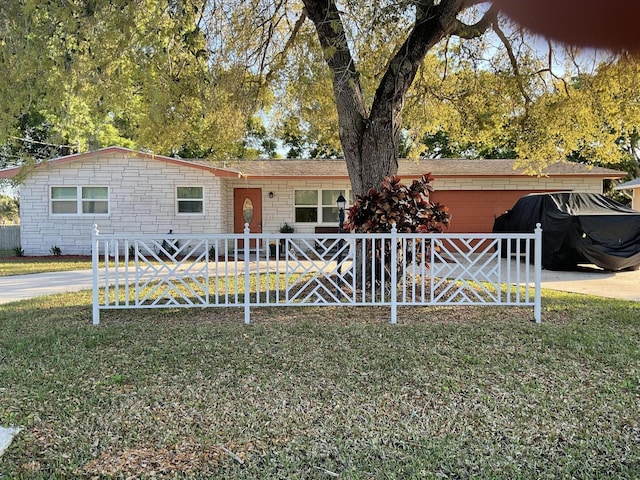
pixel 255 270
pixel 9 237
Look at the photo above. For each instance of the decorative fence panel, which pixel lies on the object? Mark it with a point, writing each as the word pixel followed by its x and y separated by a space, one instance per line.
pixel 254 270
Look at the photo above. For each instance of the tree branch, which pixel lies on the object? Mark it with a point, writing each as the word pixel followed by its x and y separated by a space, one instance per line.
pixel 333 40
pixel 427 31
pixel 282 55
pixel 423 7
pixel 550 71
pixel 514 65
pixel 465 31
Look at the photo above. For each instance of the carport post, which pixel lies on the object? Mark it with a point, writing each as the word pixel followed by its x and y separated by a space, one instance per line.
pixel 537 307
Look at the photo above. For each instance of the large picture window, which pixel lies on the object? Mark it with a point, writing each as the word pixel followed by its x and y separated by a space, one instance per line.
pixel 190 200
pixel 80 200
pixel 318 206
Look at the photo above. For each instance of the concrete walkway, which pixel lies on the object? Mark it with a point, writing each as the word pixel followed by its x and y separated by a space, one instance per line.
pixel 589 281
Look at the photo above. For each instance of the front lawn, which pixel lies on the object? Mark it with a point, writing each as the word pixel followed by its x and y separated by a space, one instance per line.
pixel 13 265
pixel 320 393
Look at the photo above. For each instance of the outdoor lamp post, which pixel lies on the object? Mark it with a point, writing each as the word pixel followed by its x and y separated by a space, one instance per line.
pixel 342 203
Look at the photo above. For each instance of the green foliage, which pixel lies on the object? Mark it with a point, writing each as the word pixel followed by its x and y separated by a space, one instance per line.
pixel 406 207
pixel 242 78
pixel 135 74
pixel 9 209
pixel 286 228
pixel 18 252
pixel 55 250
pixel 580 112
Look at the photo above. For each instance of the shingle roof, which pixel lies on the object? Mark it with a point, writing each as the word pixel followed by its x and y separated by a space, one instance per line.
pixel 409 168
pixel 338 168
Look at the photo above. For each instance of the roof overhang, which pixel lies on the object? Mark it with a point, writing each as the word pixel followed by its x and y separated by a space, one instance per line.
pixel 121 151
pixel 630 185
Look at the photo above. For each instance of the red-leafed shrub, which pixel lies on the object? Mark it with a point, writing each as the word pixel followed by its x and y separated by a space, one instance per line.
pixel 408 207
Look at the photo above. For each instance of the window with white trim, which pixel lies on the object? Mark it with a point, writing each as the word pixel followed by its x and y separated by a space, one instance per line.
pixel 190 200
pixel 318 206
pixel 87 200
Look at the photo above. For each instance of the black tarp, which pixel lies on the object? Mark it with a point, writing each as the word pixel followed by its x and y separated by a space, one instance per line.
pixel 577 228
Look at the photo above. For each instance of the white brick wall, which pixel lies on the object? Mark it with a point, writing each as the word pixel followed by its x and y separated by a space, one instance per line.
pixel 142 200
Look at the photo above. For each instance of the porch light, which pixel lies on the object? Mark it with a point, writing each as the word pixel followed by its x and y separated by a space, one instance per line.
pixel 342 203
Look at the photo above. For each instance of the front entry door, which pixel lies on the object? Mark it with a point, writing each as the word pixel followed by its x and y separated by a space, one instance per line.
pixel 247 208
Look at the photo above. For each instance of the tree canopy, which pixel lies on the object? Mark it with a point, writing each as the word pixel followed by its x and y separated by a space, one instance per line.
pixel 366 80
pixel 101 72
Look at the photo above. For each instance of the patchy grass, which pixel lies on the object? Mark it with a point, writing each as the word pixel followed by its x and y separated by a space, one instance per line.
pixel 12 265
pixel 321 392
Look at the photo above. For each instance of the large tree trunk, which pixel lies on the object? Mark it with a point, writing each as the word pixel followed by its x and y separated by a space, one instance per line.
pixel 370 150
pixel 369 139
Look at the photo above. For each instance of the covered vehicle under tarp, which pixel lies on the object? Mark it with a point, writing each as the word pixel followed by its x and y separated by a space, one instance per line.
pixel 577 228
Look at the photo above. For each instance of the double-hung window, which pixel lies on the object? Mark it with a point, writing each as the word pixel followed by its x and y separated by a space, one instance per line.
pixel 190 200
pixel 88 200
pixel 317 206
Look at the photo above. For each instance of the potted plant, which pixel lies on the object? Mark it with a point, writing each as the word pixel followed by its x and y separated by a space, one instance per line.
pixel 285 228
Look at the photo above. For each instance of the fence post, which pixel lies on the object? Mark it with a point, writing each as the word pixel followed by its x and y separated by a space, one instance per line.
pixel 394 274
pixel 95 243
pixel 247 283
pixel 537 308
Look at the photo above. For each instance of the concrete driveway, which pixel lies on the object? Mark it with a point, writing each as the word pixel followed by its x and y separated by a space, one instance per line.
pixel 21 287
pixel 588 280
pixel 591 280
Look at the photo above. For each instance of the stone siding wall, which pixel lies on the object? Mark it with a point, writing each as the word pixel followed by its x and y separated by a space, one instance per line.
pixel 142 195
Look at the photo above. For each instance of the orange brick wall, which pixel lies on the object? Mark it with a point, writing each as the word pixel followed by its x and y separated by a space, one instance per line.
pixel 473 211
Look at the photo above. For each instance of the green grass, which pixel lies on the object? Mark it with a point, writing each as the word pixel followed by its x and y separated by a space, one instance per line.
pixel 315 393
pixel 12 265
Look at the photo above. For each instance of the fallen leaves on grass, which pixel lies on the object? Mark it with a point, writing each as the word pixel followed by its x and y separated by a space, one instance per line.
pixel 164 462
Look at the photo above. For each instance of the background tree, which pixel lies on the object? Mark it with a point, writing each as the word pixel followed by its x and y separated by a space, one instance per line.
pixel 9 209
pixel 133 73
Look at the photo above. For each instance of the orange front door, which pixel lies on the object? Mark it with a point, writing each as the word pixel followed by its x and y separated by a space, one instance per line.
pixel 247 208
